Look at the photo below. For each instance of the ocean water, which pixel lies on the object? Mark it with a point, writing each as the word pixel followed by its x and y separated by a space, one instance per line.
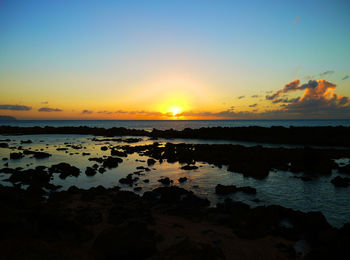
pixel 174 124
pixel 279 188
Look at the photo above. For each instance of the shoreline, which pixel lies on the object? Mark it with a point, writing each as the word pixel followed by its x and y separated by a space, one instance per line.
pixel 167 222
pixel 320 136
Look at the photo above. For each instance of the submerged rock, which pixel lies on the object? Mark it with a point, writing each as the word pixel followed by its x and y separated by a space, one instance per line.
pixel 340 181
pixel 227 189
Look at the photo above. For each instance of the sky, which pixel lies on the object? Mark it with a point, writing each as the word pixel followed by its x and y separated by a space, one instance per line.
pixel 180 59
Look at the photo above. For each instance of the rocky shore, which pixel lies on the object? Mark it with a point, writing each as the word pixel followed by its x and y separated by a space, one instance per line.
pixel 40 221
pixel 322 136
pixel 166 223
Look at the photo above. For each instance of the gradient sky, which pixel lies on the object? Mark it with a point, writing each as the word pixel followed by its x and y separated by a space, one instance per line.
pixel 199 59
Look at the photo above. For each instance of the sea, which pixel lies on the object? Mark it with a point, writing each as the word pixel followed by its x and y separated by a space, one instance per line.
pixel 175 124
pixel 279 188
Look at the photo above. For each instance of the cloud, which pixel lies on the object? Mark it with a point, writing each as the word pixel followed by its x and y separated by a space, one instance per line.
pixel 121 112
pixel 319 99
pixel 15 107
pixel 286 100
pixel 346 77
pixel 255 96
pixel 240 97
pixel 328 72
pixel 45 102
pixel 296 20
pixel 294 86
pixel 253 105
pixel 85 111
pixel 48 109
pixel 105 112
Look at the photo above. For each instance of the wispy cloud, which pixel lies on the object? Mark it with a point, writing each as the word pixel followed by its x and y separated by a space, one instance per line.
pixel 240 97
pixel 346 77
pixel 255 96
pixel 105 112
pixel 328 72
pixel 85 111
pixel 253 105
pixel 15 107
pixel 48 109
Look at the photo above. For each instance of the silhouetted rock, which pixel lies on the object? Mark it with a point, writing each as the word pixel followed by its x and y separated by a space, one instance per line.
pixel 37 155
pixel 115 152
pixel 104 148
pixel 182 179
pixel 4 145
pixel 26 141
pixel 189 167
pixel 112 162
pixel 165 181
pixel 90 171
pixel 129 180
pixel 65 170
pixel 151 162
pixel 16 156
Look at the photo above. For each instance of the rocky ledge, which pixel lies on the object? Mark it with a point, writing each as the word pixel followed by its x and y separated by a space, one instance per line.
pixel 165 223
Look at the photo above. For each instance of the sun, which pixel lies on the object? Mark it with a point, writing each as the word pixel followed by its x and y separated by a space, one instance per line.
pixel 175 111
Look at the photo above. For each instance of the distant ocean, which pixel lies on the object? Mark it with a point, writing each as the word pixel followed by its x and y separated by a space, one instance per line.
pixel 174 124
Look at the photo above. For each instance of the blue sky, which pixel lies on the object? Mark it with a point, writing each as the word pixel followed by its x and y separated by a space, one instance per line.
pixel 226 48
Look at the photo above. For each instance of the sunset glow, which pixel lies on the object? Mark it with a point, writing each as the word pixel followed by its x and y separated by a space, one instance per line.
pixel 142 61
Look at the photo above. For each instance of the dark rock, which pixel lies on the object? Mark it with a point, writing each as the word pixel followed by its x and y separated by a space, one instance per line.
pixel 26 141
pixel 4 145
pixel 16 156
pixel 89 216
pixel 85 154
pixel 189 167
pixel 111 162
pixel 115 152
pixel 187 249
pixel 151 162
pixel 101 170
pixel 104 148
pixel 129 180
pixel 62 149
pixel 37 155
pixel 99 160
pixel 143 168
pixel 165 181
pixel 182 179
pixel 90 171
pixel 135 241
pixel 65 170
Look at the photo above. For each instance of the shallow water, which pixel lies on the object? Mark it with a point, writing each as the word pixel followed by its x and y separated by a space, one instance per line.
pixel 278 188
